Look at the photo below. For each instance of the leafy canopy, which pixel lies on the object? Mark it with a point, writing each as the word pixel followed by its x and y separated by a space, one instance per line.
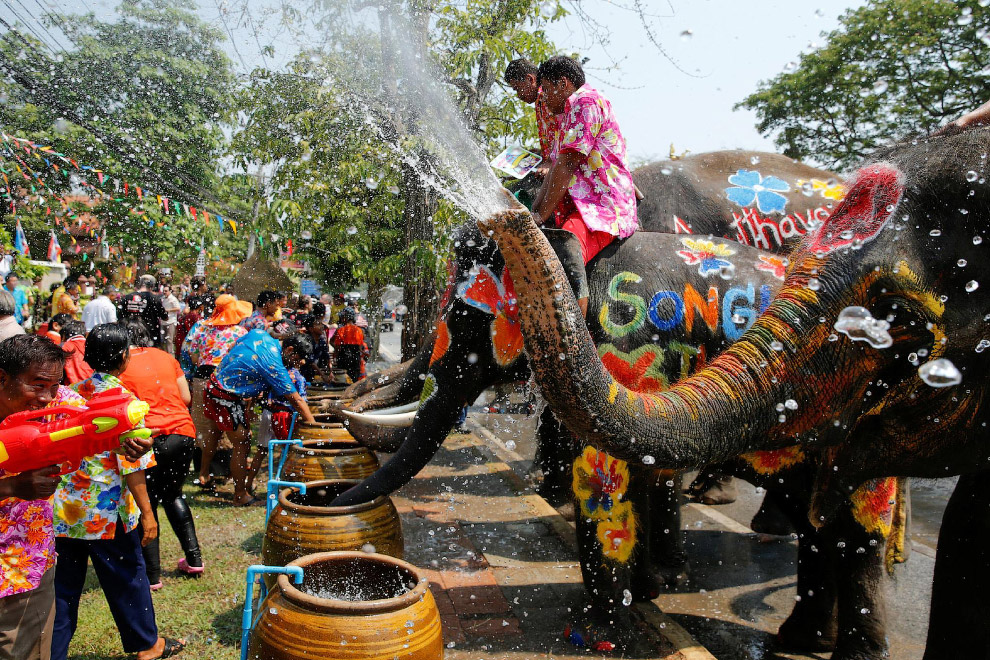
pixel 893 68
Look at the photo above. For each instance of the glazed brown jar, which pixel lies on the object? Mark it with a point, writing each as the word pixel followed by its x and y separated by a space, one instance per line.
pixel 328 459
pixel 303 524
pixel 350 605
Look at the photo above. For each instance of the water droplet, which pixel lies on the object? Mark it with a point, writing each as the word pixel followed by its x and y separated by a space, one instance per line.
pixel 754 160
pixel 738 318
pixel 966 17
pixel 561 356
pixel 791 404
pixel 510 445
pixel 649 460
pixel 940 373
pixel 972 286
pixel 961 263
pixel 859 325
pixel 977 240
pixel 790 66
pixel 626 597
pixel 727 272
pixel 351 230
pixel 775 345
pixel 972 176
pixel 983 345
pixel 880 86
pixel 666 170
pixel 782 418
pixel 369 548
pixel 472 358
pixel 686 35
pixel 935 232
pixel 273 611
pixel 814 284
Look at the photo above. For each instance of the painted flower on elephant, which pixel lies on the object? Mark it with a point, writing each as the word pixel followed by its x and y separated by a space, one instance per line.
pixel 873 505
pixel 707 254
pixel 751 187
pixel 773 264
pixel 830 189
pixel 441 343
pixel 599 483
pixel 768 462
pixel 618 534
pixel 496 296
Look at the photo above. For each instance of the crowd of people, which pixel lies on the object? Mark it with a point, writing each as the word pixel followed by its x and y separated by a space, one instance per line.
pixel 203 363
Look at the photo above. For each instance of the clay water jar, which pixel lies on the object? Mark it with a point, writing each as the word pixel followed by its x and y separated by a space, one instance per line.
pixel 329 459
pixel 326 427
pixel 396 616
pixel 304 524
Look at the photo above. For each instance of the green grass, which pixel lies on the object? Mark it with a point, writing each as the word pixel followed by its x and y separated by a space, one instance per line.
pixel 205 611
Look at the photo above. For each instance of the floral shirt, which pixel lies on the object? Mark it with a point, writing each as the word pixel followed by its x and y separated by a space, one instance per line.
pixel 206 345
pixel 90 500
pixel 546 125
pixel 27 540
pixel 257 321
pixel 602 187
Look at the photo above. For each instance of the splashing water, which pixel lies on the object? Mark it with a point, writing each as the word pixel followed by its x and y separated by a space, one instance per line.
pixel 434 141
pixel 940 373
pixel 859 325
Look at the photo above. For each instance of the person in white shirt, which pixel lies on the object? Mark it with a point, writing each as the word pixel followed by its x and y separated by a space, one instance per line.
pixel 172 308
pixel 101 309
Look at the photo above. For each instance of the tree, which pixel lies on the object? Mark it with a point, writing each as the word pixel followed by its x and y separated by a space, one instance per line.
pixel 893 68
pixel 380 79
pixel 144 99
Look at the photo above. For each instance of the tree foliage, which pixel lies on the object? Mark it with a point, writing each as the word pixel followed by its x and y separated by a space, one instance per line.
pixel 893 68
pixel 143 98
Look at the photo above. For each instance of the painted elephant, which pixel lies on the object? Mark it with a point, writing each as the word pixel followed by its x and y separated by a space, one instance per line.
pixel 663 304
pixel 875 344
pixel 760 199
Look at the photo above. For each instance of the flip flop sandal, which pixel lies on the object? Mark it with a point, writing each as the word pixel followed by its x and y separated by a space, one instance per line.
pixel 184 567
pixel 252 501
pixel 172 647
pixel 157 586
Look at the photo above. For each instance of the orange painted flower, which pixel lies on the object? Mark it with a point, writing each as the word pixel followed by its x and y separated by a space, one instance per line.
pixel 639 371
pixel 496 296
pixel 618 535
pixel 873 505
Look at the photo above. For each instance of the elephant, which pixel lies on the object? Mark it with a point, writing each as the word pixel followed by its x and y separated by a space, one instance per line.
pixel 695 194
pixel 876 343
pixel 664 303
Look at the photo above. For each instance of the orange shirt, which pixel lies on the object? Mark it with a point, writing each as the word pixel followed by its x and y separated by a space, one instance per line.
pixel 151 376
pixel 76 369
pixel 348 334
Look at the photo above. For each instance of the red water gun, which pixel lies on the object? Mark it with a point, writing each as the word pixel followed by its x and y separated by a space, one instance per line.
pixel 31 439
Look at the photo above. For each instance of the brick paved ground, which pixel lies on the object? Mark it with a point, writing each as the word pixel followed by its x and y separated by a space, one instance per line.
pixel 502 571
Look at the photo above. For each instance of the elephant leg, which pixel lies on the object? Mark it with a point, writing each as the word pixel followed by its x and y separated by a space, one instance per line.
pixel 664 563
pixel 554 456
pixel 771 517
pixel 858 556
pixel 957 626
pixel 812 623
pixel 606 493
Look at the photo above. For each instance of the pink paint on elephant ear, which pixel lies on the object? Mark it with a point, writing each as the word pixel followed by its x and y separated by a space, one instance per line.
pixel 873 195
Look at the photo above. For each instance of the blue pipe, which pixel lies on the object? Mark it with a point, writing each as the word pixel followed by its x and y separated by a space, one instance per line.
pixel 247 618
pixel 273 486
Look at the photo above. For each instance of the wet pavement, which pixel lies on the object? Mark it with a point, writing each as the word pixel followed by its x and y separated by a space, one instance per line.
pixel 502 562
pixel 743 584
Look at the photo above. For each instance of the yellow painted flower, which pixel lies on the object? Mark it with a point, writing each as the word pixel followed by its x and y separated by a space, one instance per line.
pixel 829 189
pixel 618 534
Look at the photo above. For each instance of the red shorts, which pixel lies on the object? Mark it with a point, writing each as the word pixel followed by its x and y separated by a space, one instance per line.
pixel 592 242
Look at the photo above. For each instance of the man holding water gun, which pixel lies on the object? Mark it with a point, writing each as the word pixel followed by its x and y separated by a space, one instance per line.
pixel 30 372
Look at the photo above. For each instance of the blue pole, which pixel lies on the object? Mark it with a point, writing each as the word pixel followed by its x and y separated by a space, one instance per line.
pixel 247 618
pixel 272 472
pixel 273 486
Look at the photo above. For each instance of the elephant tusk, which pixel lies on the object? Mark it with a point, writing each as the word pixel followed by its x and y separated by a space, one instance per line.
pixel 397 420
pixel 394 410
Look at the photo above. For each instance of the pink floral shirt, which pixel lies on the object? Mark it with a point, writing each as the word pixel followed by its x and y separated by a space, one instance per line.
pixel 602 187
pixel 27 539
pixel 206 345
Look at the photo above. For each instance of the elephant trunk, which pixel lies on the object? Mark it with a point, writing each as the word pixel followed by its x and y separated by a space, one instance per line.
pixel 710 417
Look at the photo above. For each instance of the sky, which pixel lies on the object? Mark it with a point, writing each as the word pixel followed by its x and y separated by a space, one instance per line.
pixel 730 46
pixel 717 51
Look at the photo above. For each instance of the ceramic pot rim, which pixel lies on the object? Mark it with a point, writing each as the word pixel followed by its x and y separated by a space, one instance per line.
pixel 330 605
pixel 284 502
pixel 349 448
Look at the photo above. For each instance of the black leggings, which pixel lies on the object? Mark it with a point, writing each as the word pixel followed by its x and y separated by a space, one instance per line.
pixel 348 357
pixel 173 453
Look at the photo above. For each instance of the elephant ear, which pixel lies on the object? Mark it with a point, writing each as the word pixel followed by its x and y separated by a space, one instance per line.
pixel 873 195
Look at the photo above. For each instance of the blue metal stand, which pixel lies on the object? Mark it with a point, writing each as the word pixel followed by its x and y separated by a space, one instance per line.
pixel 248 620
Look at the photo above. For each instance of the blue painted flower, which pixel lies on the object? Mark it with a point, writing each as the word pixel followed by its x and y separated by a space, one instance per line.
pixel 108 498
pixel 751 187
